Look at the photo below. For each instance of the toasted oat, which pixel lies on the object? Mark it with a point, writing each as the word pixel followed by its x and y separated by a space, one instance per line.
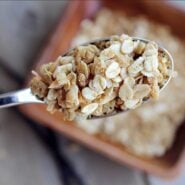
pixel 126 92
pixel 89 109
pixel 89 94
pixel 112 70
pixel 86 53
pixel 132 104
pixel 82 80
pixel 141 91
pixel 98 84
pixel 72 100
pixel 38 87
pixel 127 46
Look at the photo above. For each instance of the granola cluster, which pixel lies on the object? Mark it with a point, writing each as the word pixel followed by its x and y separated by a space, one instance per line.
pixel 150 129
pixel 99 79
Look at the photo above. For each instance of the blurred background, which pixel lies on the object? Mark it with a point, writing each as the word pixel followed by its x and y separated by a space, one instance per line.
pixel 32 154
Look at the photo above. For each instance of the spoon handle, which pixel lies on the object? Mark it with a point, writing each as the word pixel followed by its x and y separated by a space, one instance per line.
pixel 18 97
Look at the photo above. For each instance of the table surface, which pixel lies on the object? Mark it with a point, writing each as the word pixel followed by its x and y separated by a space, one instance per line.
pixel 26 155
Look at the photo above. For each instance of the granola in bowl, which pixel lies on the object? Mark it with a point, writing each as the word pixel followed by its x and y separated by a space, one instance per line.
pixel 150 129
pixel 102 78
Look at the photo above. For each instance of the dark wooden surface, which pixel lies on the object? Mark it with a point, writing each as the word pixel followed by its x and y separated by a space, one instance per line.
pixel 24 159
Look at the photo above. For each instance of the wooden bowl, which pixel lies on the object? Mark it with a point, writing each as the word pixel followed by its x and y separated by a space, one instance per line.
pixel 168 165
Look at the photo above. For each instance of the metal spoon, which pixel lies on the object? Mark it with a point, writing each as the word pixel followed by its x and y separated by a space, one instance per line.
pixel 25 96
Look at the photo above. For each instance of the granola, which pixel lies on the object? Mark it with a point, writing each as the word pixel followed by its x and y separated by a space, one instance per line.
pixel 92 81
pixel 150 129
